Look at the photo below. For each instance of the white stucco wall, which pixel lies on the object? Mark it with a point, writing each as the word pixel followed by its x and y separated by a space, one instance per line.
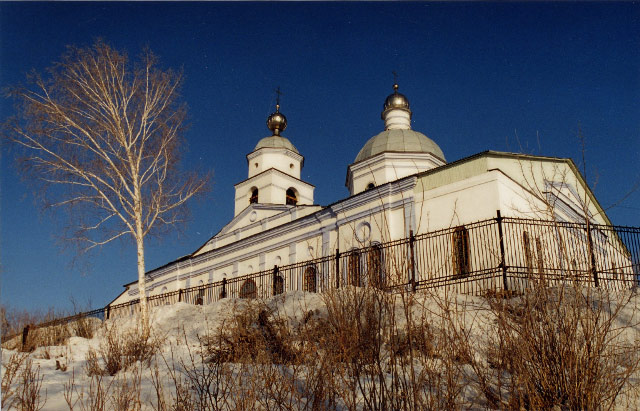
pixel 279 158
pixel 456 194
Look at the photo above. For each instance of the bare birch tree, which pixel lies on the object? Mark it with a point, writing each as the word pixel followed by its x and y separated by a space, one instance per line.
pixel 102 135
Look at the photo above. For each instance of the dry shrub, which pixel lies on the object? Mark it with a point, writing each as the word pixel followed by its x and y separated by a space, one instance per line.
pixel 38 337
pixel 373 350
pixel 120 349
pixel 125 392
pixel 371 353
pixel 28 391
pixel 46 337
pixel 563 347
pixel 355 319
pixel 85 327
pixel 253 334
pixel 21 384
pixel 14 322
pixel 121 393
pixel 201 381
pixel 11 372
pixel 96 398
pixel 54 335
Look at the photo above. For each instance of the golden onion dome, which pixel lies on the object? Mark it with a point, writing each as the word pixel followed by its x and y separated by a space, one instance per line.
pixel 395 101
pixel 277 122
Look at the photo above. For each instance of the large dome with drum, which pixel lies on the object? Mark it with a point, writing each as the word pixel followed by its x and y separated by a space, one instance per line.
pixel 398 136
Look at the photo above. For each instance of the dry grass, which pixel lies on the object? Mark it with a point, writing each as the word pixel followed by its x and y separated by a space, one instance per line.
pixel 565 347
pixel 119 349
pixel 12 369
pixel 21 384
pixel 53 335
pixel 120 393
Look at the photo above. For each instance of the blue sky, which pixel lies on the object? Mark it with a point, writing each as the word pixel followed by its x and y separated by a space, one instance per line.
pixel 518 77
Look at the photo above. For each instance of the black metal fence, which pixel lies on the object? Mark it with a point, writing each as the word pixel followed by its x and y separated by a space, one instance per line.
pixel 502 253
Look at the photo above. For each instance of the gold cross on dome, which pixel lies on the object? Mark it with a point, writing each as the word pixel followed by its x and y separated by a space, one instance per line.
pixel 279 93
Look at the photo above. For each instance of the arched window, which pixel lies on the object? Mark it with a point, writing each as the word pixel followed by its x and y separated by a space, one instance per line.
pixel 278 286
pixel 353 270
pixel 200 295
pixel 310 282
pixel 291 198
pixel 223 291
pixel 461 260
pixel 254 196
pixel 370 186
pixel 374 266
pixel 248 289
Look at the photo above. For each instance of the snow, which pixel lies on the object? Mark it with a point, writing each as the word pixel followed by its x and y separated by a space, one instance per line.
pixel 175 324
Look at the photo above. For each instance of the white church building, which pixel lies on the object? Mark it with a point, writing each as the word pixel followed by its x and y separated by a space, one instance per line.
pixel 403 193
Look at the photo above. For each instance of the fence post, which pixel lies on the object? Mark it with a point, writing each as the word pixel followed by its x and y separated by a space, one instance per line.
pixel 412 280
pixel 502 259
pixel 180 295
pixel 275 278
pixel 594 271
pixel 25 336
pixel 337 268
pixel 108 311
pixel 223 293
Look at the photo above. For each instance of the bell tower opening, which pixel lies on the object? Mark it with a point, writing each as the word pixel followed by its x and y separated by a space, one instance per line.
pixel 291 197
pixel 254 196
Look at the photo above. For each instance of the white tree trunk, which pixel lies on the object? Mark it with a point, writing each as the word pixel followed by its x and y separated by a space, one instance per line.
pixel 142 287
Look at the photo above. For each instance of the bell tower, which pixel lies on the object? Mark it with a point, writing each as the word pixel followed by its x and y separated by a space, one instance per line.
pixel 274 171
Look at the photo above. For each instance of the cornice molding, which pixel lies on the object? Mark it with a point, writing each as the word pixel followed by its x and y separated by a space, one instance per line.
pixel 271 171
pixel 282 150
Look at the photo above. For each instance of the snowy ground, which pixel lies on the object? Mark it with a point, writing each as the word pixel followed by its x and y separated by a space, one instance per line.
pixel 178 328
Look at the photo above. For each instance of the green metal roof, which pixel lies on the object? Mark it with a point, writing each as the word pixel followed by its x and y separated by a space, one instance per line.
pixel 276 142
pixel 399 140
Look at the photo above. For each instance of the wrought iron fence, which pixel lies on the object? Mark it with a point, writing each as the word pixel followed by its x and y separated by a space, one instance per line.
pixel 502 253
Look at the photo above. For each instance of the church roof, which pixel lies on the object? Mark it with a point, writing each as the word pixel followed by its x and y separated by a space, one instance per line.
pixel 276 142
pixel 399 140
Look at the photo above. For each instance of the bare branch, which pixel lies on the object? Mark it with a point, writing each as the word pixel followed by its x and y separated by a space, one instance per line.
pixel 103 136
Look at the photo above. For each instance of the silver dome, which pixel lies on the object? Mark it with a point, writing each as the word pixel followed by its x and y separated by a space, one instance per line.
pixel 395 101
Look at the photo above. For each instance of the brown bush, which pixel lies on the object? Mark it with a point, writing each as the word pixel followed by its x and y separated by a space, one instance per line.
pixel 253 333
pixel 11 373
pixel 28 396
pixel 120 349
pixel 553 347
pixel 563 348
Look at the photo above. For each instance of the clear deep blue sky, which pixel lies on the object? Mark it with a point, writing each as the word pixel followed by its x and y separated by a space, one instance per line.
pixel 476 75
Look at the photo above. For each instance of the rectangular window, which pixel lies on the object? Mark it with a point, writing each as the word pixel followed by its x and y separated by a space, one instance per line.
pixel 461 256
